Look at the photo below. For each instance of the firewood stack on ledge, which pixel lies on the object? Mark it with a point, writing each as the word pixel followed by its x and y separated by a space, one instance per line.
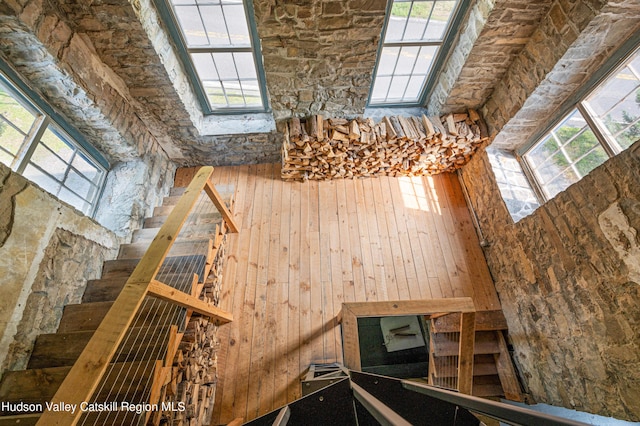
pixel 319 149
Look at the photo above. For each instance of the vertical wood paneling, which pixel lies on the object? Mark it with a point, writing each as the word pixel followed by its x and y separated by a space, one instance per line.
pixel 304 248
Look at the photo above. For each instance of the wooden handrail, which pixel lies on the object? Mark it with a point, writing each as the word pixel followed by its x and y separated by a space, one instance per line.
pixel 86 373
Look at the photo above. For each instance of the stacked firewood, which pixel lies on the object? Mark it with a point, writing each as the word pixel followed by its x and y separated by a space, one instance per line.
pixel 194 373
pixel 319 149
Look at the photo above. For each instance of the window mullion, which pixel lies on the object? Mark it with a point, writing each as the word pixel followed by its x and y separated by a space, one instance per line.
pixel 412 43
pixel 426 25
pixel 13 126
pixel 225 49
pixel 406 22
pixel 633 71
pixel 572 163
pixel 533 180
pixel 32 140
pixel 605 138
pixel 26 143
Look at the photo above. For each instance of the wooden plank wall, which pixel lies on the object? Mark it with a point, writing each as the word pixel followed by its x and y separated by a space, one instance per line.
pixel 304 248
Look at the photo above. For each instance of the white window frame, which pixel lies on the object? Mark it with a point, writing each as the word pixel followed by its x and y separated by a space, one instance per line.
pixel 43 122
pixel 169 16
pixel 443 44
pixel 610 146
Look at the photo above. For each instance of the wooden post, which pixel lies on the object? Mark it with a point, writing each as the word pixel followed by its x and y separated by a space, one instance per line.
pixel 86 373
pixel 212 192
pixel 465 354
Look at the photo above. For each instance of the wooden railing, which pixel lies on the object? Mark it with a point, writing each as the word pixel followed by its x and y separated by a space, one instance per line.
pixel 429 308
pixel 86 374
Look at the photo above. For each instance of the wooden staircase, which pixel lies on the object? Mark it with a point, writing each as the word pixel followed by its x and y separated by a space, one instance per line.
pixel 54 354
pixel 493 371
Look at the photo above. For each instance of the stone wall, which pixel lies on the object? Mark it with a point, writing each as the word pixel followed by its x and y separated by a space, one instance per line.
pixel 69 261
pixel 113 71
pixel 47 252
pixel 319 55
pixel 132 190
pixel 574 40
pixel 568 277
pixel 490 38
pixel 63 66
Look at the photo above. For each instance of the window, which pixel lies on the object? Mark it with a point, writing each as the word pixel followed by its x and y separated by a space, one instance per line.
pixel 516 191
pixel 36 147
pixel 603 124
pixel 565 155
pixel 219 49
pixel 413 43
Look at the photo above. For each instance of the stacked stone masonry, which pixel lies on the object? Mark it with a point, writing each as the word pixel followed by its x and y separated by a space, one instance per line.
pixel 48 251
pixel 125 90
pixel 319 55
pixel 568 277
pixel 492 36
pixel 573 41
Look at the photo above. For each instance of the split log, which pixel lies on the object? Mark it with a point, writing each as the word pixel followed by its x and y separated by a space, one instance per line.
pixel 396 146
pixel 193 376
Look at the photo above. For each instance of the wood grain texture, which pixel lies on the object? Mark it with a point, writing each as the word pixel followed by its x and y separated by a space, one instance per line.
pixel 85 375
pixel 363 240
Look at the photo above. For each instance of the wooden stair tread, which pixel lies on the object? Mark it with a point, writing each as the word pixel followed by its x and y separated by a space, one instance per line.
pixel 485 321
pixel 118 268
pixel 225 190
pixel 189 233
pixel 63 349
pixel 108 289
pixel 39 385
pixel 487 390
pixel 179 248
pixel 483 386
pixel 487 386
pixel 156 221
pixel 87 316
pixel 226 194
pixel 483 365
pixel 445 345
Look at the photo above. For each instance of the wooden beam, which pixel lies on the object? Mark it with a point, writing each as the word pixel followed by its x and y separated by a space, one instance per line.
pixel 411 307
pixel 159 374
pixel 173 295
pixel 212 192
pixel 485 321
pixel 506 372
pixel 465 354
pixel 86 373
pixel 236 422
pixel 350 339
